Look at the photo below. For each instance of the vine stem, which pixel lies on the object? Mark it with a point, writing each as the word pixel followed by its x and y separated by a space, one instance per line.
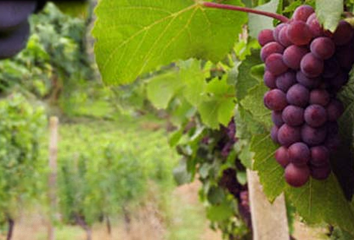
pixel 245 9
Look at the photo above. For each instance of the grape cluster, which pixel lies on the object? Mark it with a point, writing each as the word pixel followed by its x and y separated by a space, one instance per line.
pixel 305 67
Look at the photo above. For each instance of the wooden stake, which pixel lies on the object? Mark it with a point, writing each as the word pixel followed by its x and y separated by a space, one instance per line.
pixel 269 221
pixel 52 181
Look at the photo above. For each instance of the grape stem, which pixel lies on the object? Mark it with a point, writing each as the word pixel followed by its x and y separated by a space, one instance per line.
pixel 245 9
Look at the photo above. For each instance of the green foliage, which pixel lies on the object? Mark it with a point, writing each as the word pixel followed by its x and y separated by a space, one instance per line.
pixel 145 34
pixel 329 12
pixel 21 168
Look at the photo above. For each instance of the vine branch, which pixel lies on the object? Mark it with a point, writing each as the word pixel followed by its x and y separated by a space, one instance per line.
pixel 245 9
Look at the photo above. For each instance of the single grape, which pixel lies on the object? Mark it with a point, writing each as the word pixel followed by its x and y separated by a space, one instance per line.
pixel 311 66
pixel 275 64
pixel 320 97
pixel 292 56
pixel 288 135
pixel 331 68
pixel 270 48
pixel 302 13
pixel 274 134
pixel 282 157
pixel 298 95
pixel 314 25
pixel 313 136
pixel 293 115
pixel 286 80
pixel 277 118
pixel 283 37
pixel 319 156
pixel 265 36
pixel 299 154
pixel 306 81
pixel 299 33
pixel 335 109
pixel 343 33
pixel 275 100
pixel 315 115
pixel 322 47
pixel 320 173
pixel 269 80
pixel 277 31
pixel 296 176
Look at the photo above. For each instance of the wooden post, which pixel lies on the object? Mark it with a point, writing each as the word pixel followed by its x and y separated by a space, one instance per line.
pixel 269 221
pixel 52 181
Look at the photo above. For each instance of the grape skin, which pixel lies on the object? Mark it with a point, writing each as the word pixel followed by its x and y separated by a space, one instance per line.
pixel 274 134
pixel 293 115
pixel 285 81
pixel 299 33
pixel 292 56
pixel 299 154
pixel 315 115
pixel 320 97
pixel 320 173
pixel 335 110
pixel 277 31
pixel 343 33
pixel 288 135
pixel 265 36
pixel 275 100
pixel 15 13
pixel 269 80
pixel 298 95
pixel 283 37
pixel 296 176
pixel 322 47
pixel 271 48
pixel 307 82
pixel 314 25
pixel 277 118
pixel 282 157
pixel 302 13
pixel 319 156
pixel 311 66
pixel 275 64
pixel 313 136
pixel 331 68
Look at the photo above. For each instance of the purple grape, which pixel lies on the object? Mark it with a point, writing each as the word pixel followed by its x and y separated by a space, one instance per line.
pixel 319 156
pixel 306 81
pixel 274 134
pixel 299 33
pixel 296 176
pixel 269 80
pixel 311 66
pixel 293 115
pixel 335 110
pixel 320 97
pixel 288 135
pixel 283 37
pixel 277 31
pixel 343 33
pixel 299 154
pixel 270 48
pixel 345 57
pixel 313 136
pixel 314 25
pixel 275 64
pixel 320 173
pixel 303 12
pixel 323 47
pixel 292 56
pixel 286 80
pixel 275 100
pixel 277 118
pixel 265 36
pixel 339 80
pixel 298 95
pixel 282 157
pixel 315 115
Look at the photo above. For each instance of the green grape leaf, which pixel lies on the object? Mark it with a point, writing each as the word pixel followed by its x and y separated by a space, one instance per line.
pixel 269 171
pixel 137 36
pixel 219 106
pixel 257 23
pixel 181 174
pixel 161 89
pixel 245 78
pixel 253 102
pixel 220 212
pixel 329 13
